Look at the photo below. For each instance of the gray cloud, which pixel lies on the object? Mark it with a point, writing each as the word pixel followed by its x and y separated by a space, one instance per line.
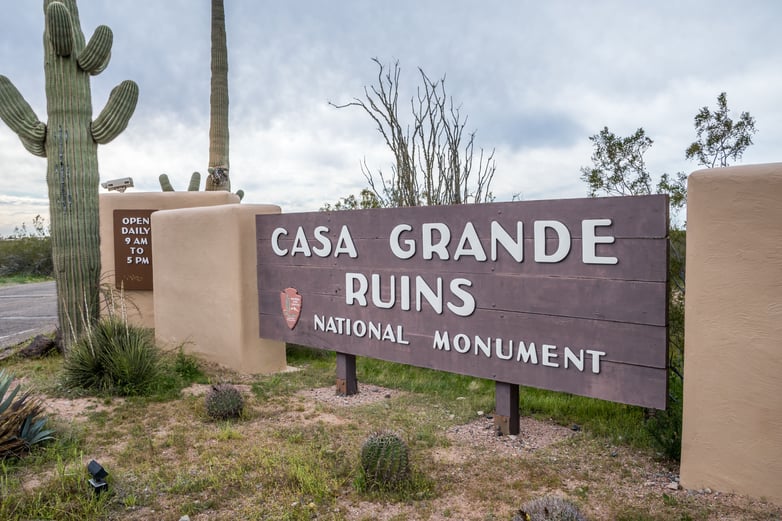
pixel 536 80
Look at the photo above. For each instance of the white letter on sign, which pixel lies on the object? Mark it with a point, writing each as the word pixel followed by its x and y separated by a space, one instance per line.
pixel 393 242
pixel 275 241
pixel 356 295
pixel 325 243
pixel 563 237
pixel 590 242
pixel 430 247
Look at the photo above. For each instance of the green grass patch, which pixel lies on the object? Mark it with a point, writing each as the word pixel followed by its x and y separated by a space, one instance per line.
pixel 465 396
pixel 295 458
pixel 22 279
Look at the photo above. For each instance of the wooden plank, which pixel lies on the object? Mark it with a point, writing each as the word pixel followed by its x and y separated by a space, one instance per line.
pixel 612 300
pixel 642 216
pixel 622 342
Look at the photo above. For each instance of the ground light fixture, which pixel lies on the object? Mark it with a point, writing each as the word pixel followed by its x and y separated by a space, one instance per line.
pixel 98 474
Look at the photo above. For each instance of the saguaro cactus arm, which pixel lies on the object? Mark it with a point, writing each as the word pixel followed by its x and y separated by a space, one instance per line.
pixel 114 118
pixel 195 182
pixel 21 118
pixel 59 26
pixel 165 183
pixel 94 58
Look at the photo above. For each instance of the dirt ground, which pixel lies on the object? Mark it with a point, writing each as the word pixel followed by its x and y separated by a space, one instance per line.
pixel 599 474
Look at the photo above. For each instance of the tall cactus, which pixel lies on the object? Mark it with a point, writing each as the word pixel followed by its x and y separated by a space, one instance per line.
pixel 218 104
pixel 69 140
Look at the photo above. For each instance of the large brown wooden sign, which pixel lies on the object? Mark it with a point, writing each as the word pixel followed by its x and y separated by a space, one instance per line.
pixel 567 295
pixel 133 249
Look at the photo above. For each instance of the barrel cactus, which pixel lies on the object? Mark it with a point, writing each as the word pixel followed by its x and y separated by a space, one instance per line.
pixel 549 508
pixel 385 459
pixel 224 402
pixel 69 140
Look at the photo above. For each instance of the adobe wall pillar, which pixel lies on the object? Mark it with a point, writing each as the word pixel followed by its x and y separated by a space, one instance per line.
pixel 732 432
pixel 139 304
pixel 206 286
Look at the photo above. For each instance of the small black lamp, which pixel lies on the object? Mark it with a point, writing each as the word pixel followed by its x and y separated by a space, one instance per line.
pixel 98 474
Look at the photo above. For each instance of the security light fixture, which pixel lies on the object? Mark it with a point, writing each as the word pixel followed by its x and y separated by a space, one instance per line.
pixel 119 185
pixel 98 474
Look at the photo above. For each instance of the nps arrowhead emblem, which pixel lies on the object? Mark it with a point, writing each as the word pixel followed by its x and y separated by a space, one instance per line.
pixel 290 301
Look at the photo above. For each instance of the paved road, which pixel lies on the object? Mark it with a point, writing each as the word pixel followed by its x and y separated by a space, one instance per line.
pixel 26 310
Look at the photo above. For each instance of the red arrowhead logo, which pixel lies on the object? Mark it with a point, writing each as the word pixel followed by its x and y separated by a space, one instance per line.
pixel 290 301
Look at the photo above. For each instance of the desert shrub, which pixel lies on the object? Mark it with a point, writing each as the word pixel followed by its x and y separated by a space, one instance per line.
pixel 665 427
pixel 187 366
pixel 549 508
pixel 22 423
pixel 27 252
pixel 224 402
pixel 115 357
pixel 385 460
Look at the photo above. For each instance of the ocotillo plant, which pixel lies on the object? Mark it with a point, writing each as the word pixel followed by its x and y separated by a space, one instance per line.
pixel 218 104
pixel 69 141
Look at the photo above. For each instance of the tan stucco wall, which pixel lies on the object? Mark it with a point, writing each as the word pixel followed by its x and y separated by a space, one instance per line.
pixel 732 433
pixel 140 306
pixel 206 290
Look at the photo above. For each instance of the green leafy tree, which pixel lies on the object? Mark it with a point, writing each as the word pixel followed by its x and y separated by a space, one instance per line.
pixel 618 168
pixel 434 158
pixel 721 140
pixel 366 199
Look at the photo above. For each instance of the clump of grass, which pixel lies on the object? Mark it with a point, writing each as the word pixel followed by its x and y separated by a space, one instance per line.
pixel 187 367
pixel 114 357
pixel 61 492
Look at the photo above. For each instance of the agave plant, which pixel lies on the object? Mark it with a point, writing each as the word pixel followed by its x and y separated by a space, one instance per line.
pixel 21 422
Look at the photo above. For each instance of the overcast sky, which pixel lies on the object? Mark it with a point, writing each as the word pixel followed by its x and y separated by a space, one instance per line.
pixel 535 78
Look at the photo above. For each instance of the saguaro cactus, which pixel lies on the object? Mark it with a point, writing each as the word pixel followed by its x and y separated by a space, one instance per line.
pixel 69 140
pixel 218 104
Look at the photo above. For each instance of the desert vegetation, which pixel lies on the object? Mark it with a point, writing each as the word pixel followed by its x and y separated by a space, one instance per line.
pixel 296 451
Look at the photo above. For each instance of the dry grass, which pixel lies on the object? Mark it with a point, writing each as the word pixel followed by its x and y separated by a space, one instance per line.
pixel 294 456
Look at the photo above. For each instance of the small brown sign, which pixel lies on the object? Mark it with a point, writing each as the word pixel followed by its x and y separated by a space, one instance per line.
pixel 133 249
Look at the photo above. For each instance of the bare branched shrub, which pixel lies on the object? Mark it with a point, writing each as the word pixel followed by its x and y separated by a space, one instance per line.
pixel 435 161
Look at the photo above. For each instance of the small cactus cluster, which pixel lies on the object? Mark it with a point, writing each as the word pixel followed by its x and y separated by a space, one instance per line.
pixel 385 459
pixel 224 402
pixel 549 508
